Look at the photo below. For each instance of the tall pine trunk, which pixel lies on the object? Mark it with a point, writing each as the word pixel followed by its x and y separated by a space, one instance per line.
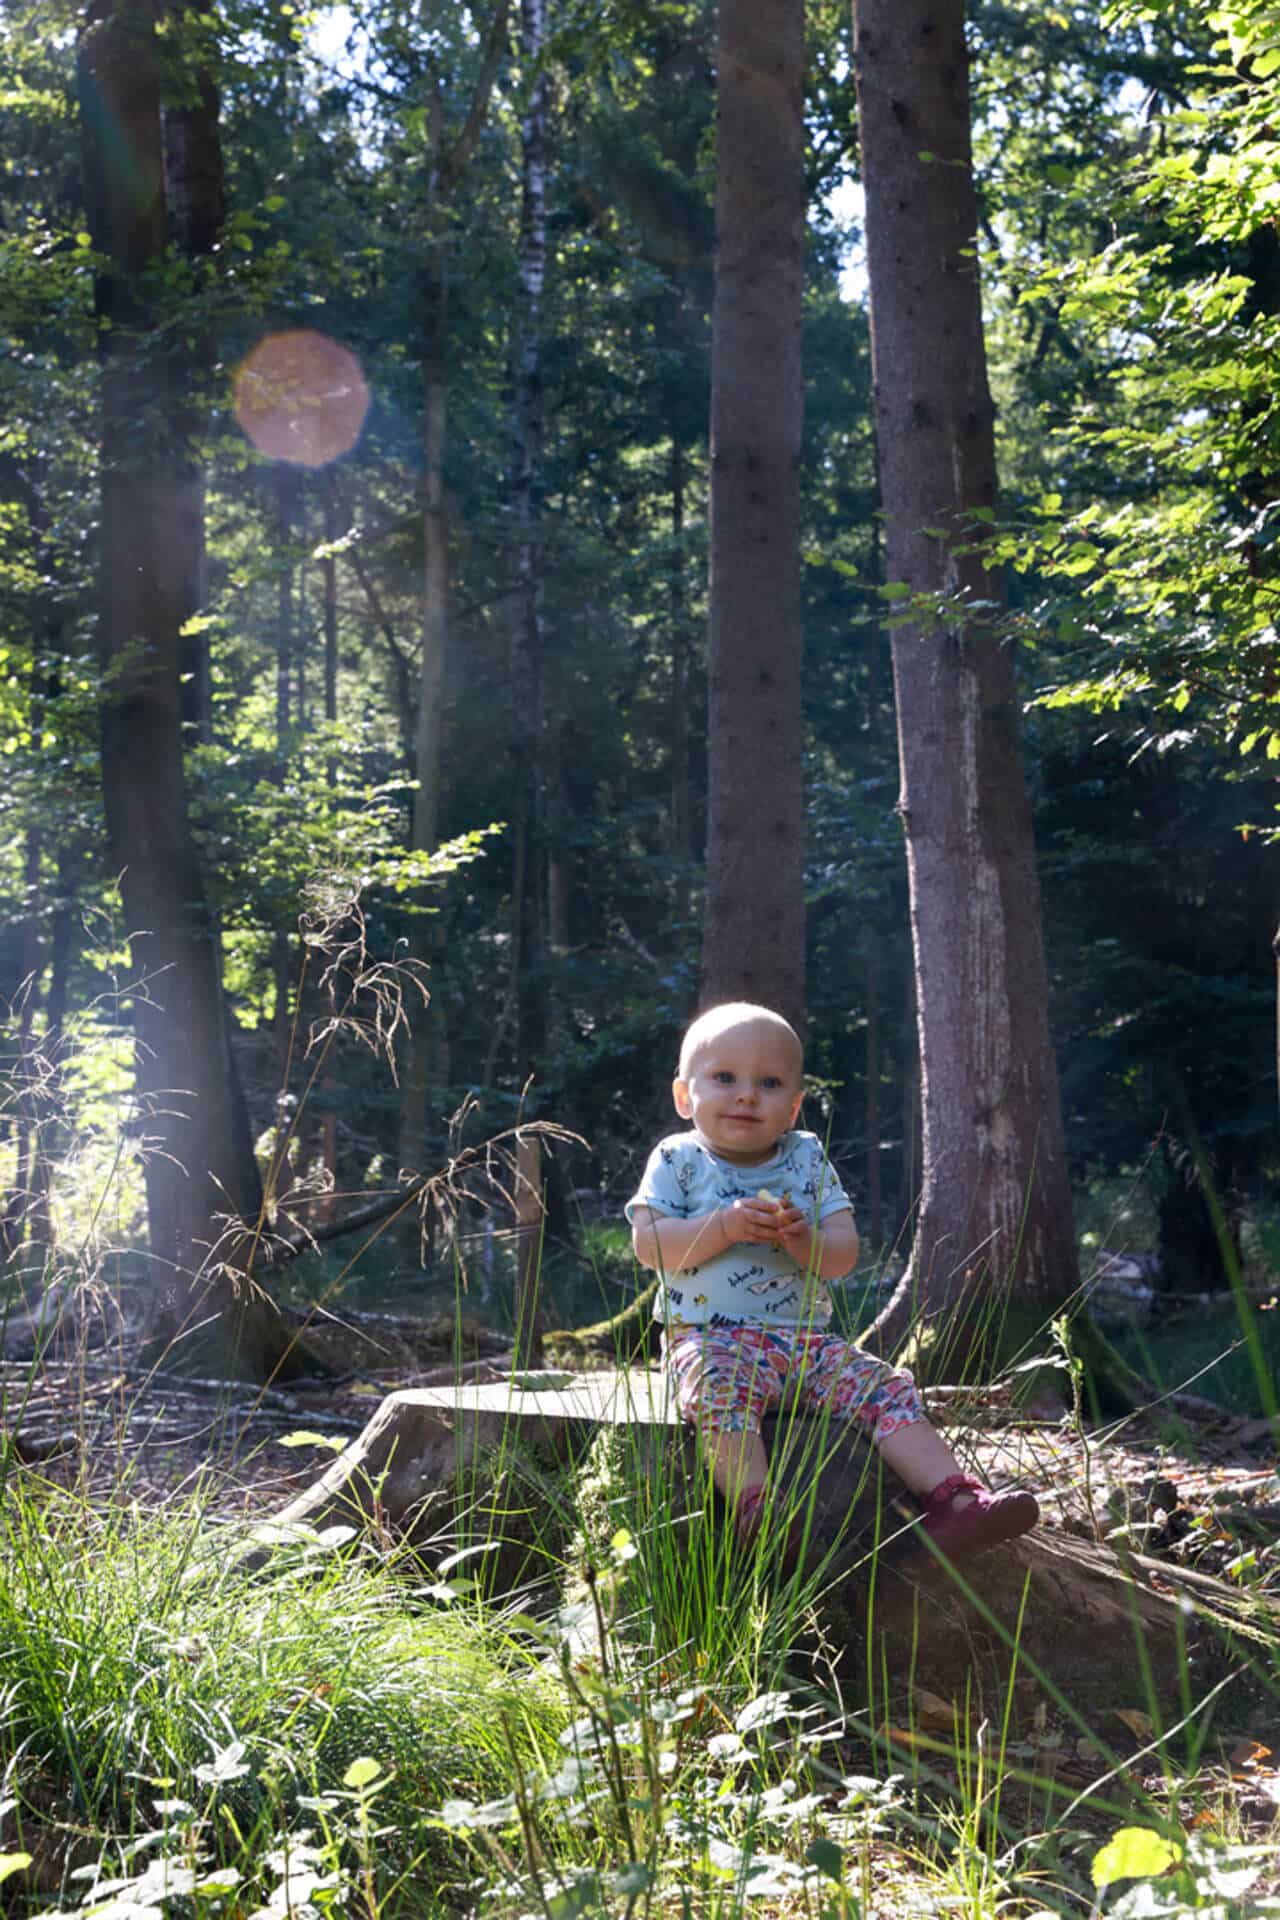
pixel 199 1165
pixel 681 815
pixel 196 198
pixel 450 159
pixel 528 956
pixel 753 940
pixel 995 1210
pixel 526 649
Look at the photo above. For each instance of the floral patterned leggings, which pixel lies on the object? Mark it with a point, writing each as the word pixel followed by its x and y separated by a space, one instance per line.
pixel 727 1378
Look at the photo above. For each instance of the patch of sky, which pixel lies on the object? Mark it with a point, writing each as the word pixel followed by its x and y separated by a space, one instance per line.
pixel 846 207
pixel 344 55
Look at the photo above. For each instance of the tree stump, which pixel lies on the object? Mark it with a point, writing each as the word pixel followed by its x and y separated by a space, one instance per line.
pixel 481 1469
pixel 1084 1629
pixel 496 1468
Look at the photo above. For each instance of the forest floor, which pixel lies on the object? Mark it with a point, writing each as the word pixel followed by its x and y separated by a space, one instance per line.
pixel 1200 1493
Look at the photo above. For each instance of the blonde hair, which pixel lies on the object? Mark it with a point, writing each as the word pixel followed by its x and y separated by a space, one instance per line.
pixel 717 1021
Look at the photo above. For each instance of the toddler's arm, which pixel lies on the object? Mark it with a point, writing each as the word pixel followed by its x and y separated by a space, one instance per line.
pixel 827 1251
pixel 670 1245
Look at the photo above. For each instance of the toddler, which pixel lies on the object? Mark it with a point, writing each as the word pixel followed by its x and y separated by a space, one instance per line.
pixel 745 1222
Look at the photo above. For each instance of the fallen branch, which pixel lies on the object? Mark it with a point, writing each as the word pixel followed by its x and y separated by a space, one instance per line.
pixel 604 1333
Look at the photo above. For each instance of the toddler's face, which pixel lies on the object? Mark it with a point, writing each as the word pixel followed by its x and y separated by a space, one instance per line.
pixel 742 1092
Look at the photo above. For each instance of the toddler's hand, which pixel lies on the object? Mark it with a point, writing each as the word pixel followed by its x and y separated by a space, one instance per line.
pixel 764 1221
pixel 797 1238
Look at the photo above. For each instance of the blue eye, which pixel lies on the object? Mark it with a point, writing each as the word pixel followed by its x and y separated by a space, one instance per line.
pixel 771 1082
pixel 723 1076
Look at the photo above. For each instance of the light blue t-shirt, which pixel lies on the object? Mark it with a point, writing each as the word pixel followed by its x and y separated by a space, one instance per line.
pixel 683 1179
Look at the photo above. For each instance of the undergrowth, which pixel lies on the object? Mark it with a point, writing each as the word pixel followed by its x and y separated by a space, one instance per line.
pixel 200 1720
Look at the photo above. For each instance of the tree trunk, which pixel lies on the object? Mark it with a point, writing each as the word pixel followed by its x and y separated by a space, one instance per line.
pixel 329 575
pixel 530 1217
pixel 681 830
pixel 525 663
pixel 449 161
pixel 286 492
pixel 871 1102
pixel 415 1098
pixel 995 1214
pixel 753 942
pixel 39 1219
pixel 199 1167
pixel 28 1071
pixel 196 200
pixel 559 841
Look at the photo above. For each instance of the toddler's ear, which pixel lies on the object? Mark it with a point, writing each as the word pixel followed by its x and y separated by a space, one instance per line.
pixel 680 1094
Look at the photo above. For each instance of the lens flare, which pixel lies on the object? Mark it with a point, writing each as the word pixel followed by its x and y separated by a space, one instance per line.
pixel 301 397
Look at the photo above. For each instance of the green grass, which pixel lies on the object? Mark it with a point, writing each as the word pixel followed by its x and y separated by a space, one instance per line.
pixel 1213 1356
pixel 661 1725
pixel 153 1684
pixel 334 1730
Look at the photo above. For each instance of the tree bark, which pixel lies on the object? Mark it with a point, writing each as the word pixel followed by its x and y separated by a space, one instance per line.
pixel 525 666
pixel 199 1167
pixel 28 1067
pixel 196 199
pixel 329 575
pixel 286 498
pixel 449 161
pixel 871 1100
pixel 753 941
pixel 681 830
pixel 995 1212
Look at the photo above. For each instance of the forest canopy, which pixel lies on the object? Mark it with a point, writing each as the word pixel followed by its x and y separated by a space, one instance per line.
pixel 400 409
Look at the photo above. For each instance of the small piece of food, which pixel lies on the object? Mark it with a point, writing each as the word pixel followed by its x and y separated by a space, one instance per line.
pixel 769 1199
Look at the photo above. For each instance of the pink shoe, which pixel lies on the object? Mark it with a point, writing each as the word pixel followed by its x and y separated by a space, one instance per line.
pixel 988 1518
pixel 748 1513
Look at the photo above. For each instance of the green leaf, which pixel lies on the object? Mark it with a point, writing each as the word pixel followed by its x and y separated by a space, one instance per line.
pixel 581 1896
pixel 1134 1853
pixel 13 1863
pixel 1082 557
pixel 826 1856
pixel 635 1878
pixel 361 1772
pixel 302 1438
pixel 452 1560
pixel 763 1711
